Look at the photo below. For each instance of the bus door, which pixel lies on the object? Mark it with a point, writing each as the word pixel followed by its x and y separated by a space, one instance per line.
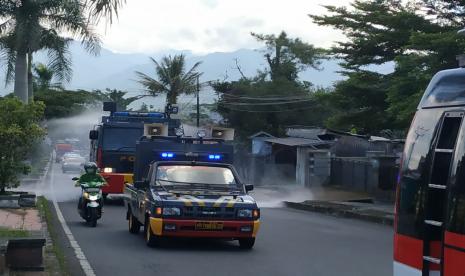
pixel 453 249
pixel 436 194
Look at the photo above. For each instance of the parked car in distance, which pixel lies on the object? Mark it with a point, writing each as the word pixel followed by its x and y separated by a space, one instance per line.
pixel 72 163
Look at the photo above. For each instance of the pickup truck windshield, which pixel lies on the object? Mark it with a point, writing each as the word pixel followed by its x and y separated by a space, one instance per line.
pixel 177 174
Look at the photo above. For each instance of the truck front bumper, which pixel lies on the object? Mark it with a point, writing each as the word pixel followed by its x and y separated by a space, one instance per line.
pixel 232 229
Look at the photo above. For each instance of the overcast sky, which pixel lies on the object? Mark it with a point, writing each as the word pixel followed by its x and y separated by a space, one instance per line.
pixel 205 26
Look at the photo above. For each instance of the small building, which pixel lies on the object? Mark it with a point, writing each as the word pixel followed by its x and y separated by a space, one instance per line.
pixel 259 146
pixel 311 157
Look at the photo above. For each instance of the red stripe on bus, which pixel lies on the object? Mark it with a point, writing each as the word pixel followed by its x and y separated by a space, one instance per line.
pixel 453 262
pixel 409 251
pixel 454 239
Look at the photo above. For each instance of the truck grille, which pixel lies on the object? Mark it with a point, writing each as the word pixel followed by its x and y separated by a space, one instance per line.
pixel 208 212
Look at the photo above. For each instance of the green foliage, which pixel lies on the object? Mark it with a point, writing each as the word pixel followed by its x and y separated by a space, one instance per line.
pixel 172 78
pixel 275 98
pixel 253 105
pixel 43 76
pixel 360 103
pixel 13 233
pixel 65 103
pixel 119 97
pixel 286 57
pixel 36 25
pixel 19 130
pixel 381 31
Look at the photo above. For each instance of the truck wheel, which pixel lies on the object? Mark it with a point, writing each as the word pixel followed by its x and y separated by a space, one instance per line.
pixel 150 239
pixel 134 225
pixel 246 243
pixel 105 197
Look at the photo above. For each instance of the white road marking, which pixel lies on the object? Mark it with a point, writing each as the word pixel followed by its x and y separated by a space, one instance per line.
pixel 85 265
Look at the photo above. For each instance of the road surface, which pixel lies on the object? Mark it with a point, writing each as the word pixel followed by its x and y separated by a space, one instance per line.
pixel 290 242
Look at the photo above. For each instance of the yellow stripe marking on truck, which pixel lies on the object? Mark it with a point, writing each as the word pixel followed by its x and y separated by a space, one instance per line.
pixel 256 226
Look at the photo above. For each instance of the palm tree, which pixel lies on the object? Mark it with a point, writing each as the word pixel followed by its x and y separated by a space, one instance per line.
pixel 119 97
pixel 28 26
pixel 172 78
pixel 43 76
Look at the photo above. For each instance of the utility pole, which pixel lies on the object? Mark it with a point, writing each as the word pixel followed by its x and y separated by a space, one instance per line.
pixel 198 102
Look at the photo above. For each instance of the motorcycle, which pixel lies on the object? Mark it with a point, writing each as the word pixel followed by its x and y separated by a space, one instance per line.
pixel 90 202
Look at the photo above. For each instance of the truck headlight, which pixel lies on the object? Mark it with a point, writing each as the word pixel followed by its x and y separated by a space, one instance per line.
pixel 107 170
pixel 244 213
pixel 171 211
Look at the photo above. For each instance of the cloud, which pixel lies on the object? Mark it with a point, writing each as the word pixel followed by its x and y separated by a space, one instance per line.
pixel 204 26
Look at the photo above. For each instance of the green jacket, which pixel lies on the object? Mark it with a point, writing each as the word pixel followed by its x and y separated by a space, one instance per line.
pixel 90 177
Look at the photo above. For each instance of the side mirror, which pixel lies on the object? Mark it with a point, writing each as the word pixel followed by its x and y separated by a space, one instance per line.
pixel 141 184
pixel 75 178
pixel 248 187
pixel 93 135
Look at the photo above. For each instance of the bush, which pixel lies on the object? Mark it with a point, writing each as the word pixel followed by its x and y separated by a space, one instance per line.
pixel 19 130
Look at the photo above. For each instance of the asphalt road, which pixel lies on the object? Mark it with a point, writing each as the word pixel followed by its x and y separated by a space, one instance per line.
pixel 290 242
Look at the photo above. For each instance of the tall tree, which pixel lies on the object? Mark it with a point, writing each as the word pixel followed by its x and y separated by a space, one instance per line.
pixel 275 98
pixel 35 25
pixel 286 57
pixel 172 78
pixel 395 32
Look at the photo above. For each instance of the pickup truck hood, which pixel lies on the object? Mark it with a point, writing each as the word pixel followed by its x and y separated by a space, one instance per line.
pixel 171 199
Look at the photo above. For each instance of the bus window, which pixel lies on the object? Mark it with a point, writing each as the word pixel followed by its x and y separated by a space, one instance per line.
pixel 416 172
pixel 445 89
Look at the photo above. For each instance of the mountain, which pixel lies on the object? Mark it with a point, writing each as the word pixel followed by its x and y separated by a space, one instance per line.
pixel 116 70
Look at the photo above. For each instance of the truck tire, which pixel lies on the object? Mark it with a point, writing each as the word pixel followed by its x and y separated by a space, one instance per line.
pixel 246 243
pixel 150 239
pixel 134 225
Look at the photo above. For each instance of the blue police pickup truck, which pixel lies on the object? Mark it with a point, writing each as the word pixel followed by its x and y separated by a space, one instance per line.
pixel 188 187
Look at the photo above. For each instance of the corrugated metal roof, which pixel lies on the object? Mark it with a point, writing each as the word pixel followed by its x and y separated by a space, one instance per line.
pixel 294 141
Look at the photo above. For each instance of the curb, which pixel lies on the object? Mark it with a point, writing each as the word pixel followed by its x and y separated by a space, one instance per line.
pixel 341 210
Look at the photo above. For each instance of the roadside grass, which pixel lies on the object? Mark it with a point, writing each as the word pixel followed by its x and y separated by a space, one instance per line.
pixel 13 233
pixel 44 209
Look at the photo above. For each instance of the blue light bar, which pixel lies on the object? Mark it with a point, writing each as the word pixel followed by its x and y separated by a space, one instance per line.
pixel 121 114
pixel 156 115
pixel 214 157
pixel 167 155
pixel 138 114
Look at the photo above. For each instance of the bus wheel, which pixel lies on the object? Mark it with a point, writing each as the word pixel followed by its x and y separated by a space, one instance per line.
pixel 246 243
pixel 134 225
pixel 150 239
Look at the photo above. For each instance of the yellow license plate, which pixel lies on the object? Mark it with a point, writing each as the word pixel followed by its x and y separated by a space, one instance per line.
pixel 207 225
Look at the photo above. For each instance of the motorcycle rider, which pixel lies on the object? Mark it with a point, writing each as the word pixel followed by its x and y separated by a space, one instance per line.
pixel 90 176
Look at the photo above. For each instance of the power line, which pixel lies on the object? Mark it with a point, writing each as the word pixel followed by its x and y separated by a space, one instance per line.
pixel 266 98
pixel 267 111
pixel 269 103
